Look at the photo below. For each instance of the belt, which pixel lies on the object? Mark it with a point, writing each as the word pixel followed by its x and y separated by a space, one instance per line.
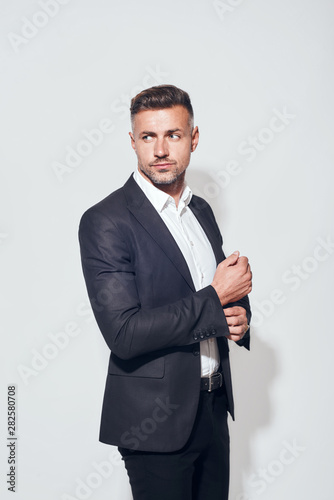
pixel 211 383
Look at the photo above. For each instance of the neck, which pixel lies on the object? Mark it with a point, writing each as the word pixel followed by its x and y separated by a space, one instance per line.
pixel 175 189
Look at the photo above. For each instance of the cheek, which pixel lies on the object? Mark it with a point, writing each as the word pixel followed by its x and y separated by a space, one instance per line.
pixel 184 156
pixel 142 153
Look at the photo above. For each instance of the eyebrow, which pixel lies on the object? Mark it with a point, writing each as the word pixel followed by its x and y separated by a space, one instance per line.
pixel 168 132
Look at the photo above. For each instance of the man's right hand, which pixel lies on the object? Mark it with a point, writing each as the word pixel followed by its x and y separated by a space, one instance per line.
pixel 232 279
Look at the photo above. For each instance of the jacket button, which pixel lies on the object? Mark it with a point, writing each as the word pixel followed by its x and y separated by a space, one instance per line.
pixel 196 351
pixel 201 335
pixel 213 331
pixel 207 333
pixel 195 337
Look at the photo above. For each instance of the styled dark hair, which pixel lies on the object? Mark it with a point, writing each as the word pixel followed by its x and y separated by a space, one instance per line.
pixel 161 97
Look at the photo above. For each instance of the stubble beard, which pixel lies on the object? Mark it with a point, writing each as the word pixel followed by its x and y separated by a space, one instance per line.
pixel 162 178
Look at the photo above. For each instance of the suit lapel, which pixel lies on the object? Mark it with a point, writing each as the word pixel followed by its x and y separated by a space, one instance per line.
pixel 143 210
pixel 201 212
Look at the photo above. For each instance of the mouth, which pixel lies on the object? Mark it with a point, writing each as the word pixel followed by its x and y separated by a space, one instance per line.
pixel 161 166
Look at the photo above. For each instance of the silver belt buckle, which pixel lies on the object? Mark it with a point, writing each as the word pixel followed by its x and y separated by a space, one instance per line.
pixel 214 376
pixel 210 384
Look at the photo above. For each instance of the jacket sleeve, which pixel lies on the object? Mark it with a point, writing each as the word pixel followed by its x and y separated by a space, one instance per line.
pixel 128 329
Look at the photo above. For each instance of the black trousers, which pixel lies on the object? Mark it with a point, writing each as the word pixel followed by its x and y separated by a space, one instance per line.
pixel 199 471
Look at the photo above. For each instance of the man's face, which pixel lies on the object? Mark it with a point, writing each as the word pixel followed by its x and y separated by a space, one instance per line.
pixel 163 140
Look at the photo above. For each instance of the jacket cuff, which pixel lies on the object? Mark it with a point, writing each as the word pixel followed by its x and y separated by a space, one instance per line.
pixel 245 341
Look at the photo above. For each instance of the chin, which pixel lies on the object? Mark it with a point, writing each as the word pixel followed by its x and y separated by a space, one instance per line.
pixel 164 178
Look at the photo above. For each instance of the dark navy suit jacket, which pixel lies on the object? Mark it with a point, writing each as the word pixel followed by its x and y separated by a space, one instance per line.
pixel 152 319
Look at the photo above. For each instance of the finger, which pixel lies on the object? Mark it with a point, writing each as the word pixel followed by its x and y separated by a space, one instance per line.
pixel 234 311
pixel 236 321
pixel 235 338
pixel 233 321
pixel 243 261
pixel 237 329
pixel 231 260
pixel 238 332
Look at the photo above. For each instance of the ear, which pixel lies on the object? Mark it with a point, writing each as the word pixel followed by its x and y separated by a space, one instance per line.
pixel 194 139
pixel 133 143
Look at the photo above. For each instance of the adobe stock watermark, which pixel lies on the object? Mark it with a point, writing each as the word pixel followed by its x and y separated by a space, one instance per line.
pixel 74 156
pixel 226 7
pixel 131 438
pixel 84 488
pixel 92 138
pixel 293 278
pixel 265 476
pixel 248 148
pixel 57 342
pixel 30 28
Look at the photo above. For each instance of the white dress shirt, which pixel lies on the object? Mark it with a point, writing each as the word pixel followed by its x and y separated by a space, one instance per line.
pixel 195 247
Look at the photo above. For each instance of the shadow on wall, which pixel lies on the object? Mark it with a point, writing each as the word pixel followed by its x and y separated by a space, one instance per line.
pixel 203 185
pixel 253 374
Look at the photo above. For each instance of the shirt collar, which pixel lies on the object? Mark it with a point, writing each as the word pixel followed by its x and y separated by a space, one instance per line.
pixel 158 198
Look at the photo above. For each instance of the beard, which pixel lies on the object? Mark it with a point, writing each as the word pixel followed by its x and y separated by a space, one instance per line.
pixel 162 177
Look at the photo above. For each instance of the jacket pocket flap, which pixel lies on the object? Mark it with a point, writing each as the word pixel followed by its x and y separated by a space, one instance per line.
pixel 144 366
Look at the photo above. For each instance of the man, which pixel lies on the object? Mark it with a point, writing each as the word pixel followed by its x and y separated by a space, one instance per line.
pixel 166 301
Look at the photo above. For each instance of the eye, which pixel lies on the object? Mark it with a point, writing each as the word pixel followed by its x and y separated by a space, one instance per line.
pixel 147 138
pixel 174 136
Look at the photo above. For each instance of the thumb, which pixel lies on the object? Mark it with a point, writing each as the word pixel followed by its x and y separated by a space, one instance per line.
pixel 232 259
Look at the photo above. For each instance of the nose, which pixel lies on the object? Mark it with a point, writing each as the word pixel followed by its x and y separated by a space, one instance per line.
pixel 161 148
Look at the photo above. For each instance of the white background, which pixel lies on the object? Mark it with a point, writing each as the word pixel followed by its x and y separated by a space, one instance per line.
pixel 242 62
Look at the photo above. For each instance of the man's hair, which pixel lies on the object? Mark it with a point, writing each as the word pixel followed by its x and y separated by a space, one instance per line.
pixel 161 97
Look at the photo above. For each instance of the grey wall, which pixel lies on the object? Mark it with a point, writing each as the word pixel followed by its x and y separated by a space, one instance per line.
pixel 260 76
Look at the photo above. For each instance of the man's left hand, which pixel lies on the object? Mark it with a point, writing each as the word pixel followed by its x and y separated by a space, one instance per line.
pixel 237 322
